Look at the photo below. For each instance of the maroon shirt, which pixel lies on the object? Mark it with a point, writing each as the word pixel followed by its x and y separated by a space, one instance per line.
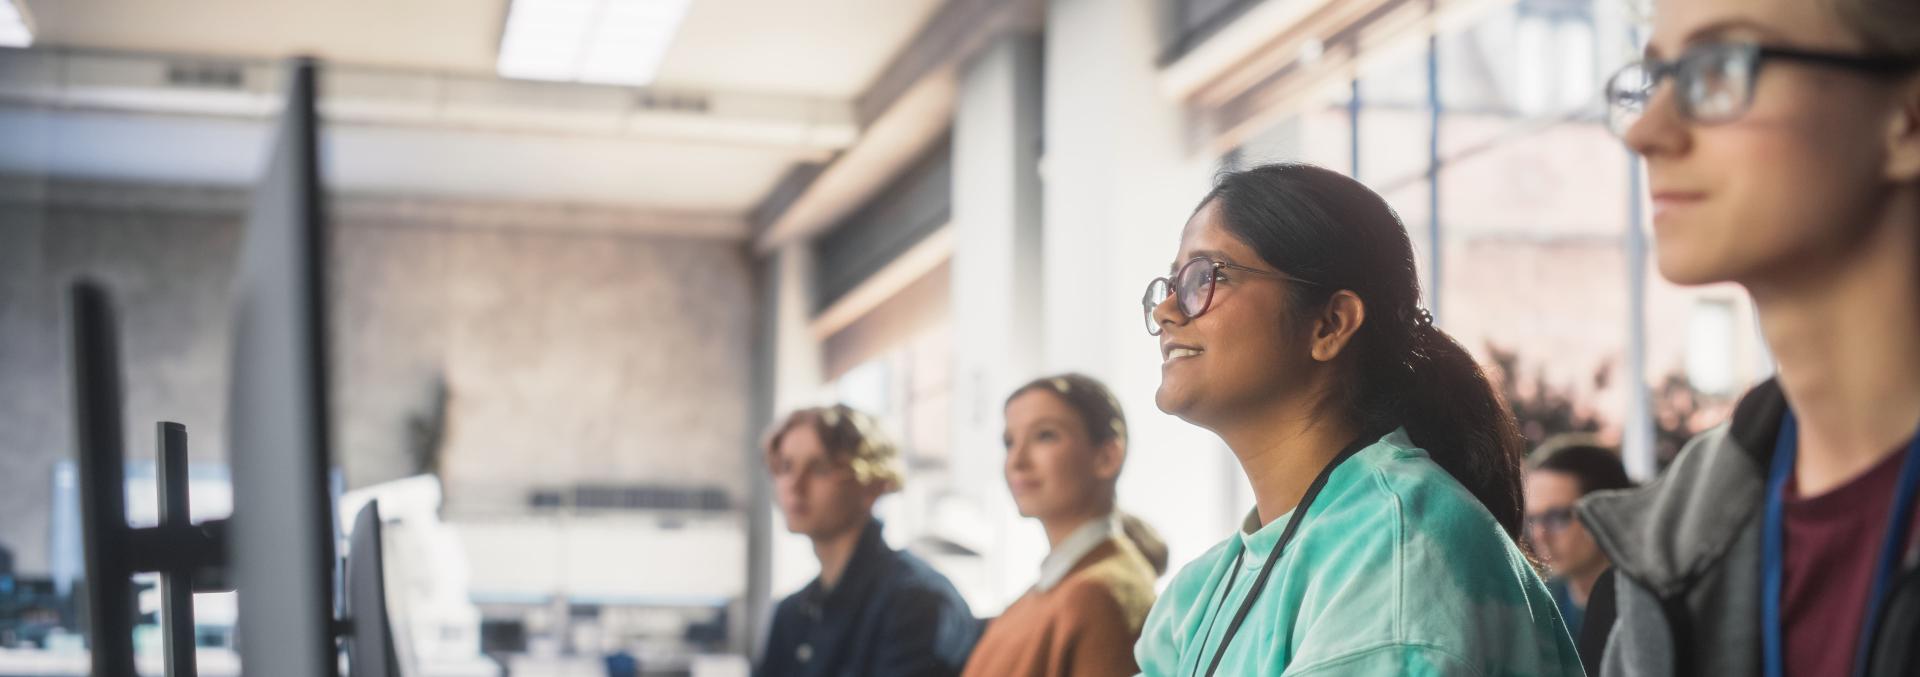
pixel 1832 547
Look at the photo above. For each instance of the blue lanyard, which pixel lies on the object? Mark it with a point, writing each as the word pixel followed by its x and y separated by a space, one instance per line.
pixel 1773 542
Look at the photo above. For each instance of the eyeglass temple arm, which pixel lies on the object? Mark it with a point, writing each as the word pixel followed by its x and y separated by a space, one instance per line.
pixel 1220 264
pixel 1876 64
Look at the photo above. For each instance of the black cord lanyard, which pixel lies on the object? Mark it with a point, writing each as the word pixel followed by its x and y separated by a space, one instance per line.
pixel 1273 557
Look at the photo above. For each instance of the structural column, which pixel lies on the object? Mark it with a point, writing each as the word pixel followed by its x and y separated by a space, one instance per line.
pixel 787 375
pixel 1122 172
pixel 996 286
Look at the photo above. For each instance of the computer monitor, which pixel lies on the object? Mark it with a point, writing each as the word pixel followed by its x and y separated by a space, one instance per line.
pixel 185 556
pixel 104 530
pixel 283 535
pixel 370 647
pixel 279 545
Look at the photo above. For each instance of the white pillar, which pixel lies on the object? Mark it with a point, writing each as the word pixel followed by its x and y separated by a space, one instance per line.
pixel 796 361
pixel 1120 178
pixel 784 562
pixel 996 295
pixel 1619 43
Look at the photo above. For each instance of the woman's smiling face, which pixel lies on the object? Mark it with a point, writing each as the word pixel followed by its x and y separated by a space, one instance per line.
pixel 1241 352
pixel 1054 469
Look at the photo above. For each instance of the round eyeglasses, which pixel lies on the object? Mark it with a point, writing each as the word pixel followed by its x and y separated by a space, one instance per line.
pixel 1193 286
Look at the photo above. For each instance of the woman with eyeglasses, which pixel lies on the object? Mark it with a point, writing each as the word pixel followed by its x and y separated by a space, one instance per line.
pixel 1385 469
pixel 1782 148
pixel 1066 442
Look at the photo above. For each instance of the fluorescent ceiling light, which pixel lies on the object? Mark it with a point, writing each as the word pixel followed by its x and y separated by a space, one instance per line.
pixel 607 41
pixel 14 31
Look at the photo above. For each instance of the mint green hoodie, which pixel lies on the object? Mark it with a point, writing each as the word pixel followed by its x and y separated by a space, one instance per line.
pixel 1397 570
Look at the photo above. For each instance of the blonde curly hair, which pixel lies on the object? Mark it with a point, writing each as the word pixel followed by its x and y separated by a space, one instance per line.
pixel 847 433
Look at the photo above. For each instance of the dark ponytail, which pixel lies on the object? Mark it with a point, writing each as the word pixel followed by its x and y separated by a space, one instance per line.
pixel 1450 409
pixel 1320 226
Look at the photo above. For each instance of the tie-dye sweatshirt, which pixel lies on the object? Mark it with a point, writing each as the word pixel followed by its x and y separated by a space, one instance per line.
pixel 1396 570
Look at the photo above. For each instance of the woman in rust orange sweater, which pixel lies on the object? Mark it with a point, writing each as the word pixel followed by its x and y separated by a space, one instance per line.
pixel 1066 442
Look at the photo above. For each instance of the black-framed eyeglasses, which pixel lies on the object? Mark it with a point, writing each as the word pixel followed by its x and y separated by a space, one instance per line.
pixel 1193 283
pixel 1713 83
pixel 1551 521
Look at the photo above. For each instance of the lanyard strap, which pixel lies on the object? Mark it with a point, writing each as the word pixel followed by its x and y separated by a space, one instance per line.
pixel 1273 557
pixel 1773 545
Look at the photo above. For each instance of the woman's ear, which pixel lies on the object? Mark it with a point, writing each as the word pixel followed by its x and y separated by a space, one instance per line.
pixel 1108 459
pixel 1903 134
pixel 1339 320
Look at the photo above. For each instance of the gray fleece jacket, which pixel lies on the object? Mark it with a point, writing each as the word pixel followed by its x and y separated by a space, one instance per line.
pixel 1686 556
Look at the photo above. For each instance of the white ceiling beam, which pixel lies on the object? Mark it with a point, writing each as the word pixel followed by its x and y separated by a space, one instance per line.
pixel 174 84
pixel 1234 42
pixel 359 208
pixel 884 284
pixel 1318 51
pixel 908 107
pixel 418 160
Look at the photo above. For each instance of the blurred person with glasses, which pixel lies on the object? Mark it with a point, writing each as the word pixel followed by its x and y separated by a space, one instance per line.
pixel 873 610
pixel 1565 468
pixel 1066 441
pixel 1782 148
pixel 1385 469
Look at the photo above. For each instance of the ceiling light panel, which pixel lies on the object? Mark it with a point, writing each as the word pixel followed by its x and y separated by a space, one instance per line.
pixel 14 31
pixel 617 42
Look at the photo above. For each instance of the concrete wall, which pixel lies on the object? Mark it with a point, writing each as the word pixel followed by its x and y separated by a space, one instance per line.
pixel 570 355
